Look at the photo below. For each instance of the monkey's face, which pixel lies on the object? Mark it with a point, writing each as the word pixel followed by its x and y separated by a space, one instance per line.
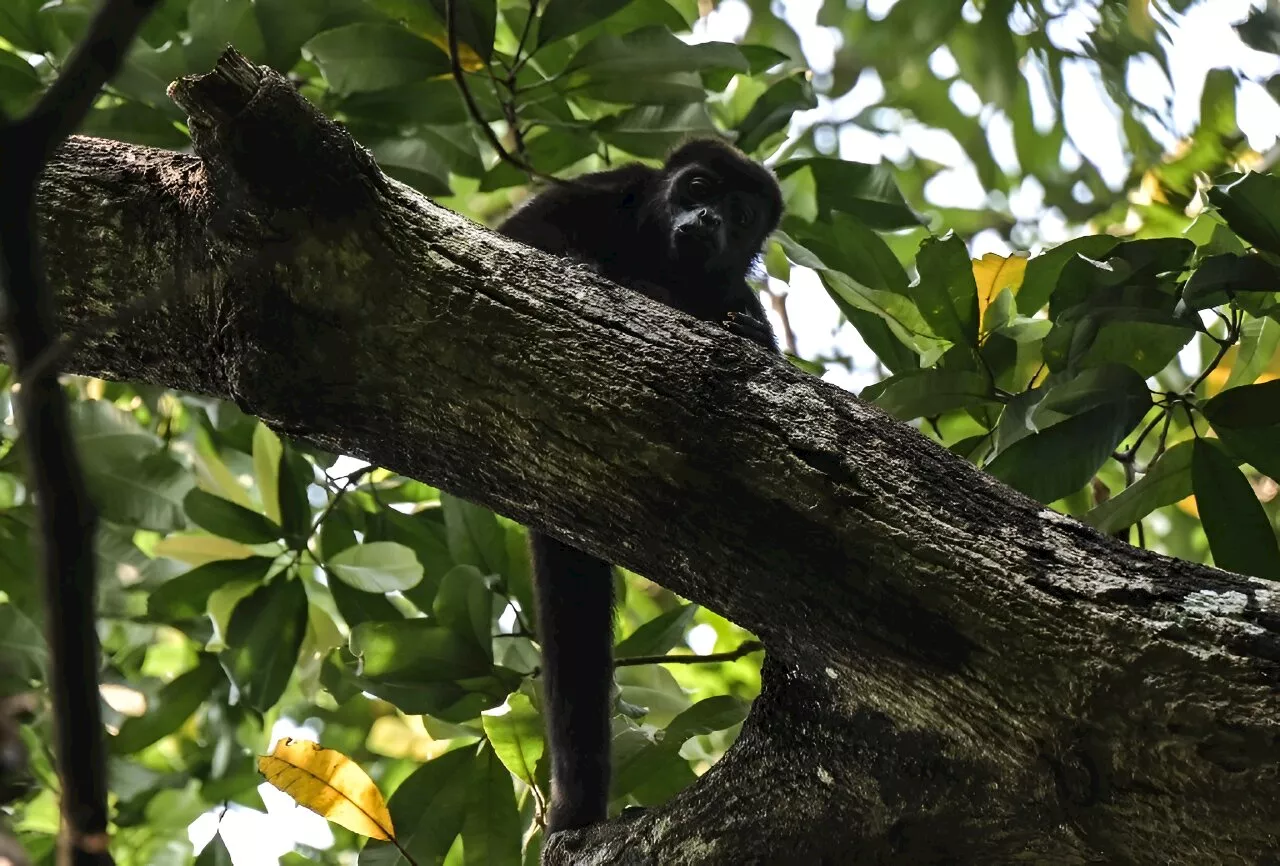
pixel 713 220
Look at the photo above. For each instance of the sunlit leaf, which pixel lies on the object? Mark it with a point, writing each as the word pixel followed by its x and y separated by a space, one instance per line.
pixel 228 520
pixel 1240 533
pixel 263 638
pixel 515 732
pixel 330 784
pixel 172 706
pixel 380 566
pixel 659 635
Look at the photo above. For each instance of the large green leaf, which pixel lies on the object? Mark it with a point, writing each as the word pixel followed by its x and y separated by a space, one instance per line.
pixel 946 292
pixel 1240 535
pixel 368 56
pixel 475 536
pixel 773 110
pixel 19 84
pixel 567 17
pixel 491 828
pixel 659 635
pixel 867 192
pixel 1043 271
pixel 464 605
pixel 516 734
pixel 1166 482
pixel 379 566
pixel 1256 446
pixel 1250 204
pixel 416 651
pixel 1246 406
pixel 171 706
pixel 474 22
pixel 1218 279
pixel 263 639
pixel 187 595
pixel 929 393
pixel 427 811
pixel 1051 447
pixel 229 520
pixel 1259 342
pixel 357 606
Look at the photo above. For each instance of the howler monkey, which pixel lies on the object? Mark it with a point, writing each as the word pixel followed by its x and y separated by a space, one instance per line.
pixel 686 234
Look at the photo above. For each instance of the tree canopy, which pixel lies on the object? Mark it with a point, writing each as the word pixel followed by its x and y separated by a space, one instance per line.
pixel 1123 369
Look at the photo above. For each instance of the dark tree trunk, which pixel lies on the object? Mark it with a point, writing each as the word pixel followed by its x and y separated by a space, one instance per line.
pixel 955 673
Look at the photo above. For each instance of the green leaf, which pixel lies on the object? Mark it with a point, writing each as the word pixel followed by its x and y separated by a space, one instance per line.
pixel 416 651
pixel 187 595
pixel 414 161
pixel 929 393
pixel 772 111
pixel 1051 448
pixel 20 25
pixel 550 152
pixel 474 21
pixel 648 66
pixel 659 635
pixel 263 639
pixel 1141 338
pixel 567 17
pixel 19 84
pixel 1250 204
pixel 225 518
pixel 131 479
pixel 1166 482
pixel 1240 535
pixel 215 853
pixel 1221 278
pixel 474 534
pixel 23 651
pixel 172 706
pixel 864 191
pixel 464 605
pixel 713 714
pixel 1246 406
pixel 379 566
pixel 367 56
pixel 212 25
pixel 267 451
pixel 294 477
pixel 946 292
pixel 655 130
pixel 357 606
pixel 426 811
pixel 1255 446
pixel 515 732
pixel 1043 270
pixel 491 828
pixel 1259 342
pixel 425 534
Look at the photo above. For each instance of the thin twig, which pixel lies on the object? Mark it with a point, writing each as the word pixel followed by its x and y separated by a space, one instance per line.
pixel 460 78
pixel 745 649
pixel 66 518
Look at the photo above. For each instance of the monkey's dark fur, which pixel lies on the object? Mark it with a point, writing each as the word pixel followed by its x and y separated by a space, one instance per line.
pixel 686 235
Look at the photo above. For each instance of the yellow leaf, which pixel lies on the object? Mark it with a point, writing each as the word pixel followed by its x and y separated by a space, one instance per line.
pixel 994 274
pixel 200 549
pixel 330 784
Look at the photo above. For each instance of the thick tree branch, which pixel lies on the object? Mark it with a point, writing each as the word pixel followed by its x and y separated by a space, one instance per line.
pixel 954 672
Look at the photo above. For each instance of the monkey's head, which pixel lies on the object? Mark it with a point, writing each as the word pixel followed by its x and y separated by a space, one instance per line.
pixel 718 205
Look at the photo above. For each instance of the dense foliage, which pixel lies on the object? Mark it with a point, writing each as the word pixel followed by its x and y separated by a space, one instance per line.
pixel 1127 376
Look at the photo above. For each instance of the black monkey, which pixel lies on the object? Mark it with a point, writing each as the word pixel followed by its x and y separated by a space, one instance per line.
pixel 686 235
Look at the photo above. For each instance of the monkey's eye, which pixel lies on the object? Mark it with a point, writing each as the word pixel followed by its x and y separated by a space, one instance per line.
pixel 699 186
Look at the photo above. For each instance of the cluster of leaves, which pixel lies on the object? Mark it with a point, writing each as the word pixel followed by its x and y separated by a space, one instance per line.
pixel 241 582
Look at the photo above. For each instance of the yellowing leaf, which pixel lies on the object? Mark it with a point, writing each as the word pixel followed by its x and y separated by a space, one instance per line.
pixel 467 57
pixel 994 274
pixel 330 784
pixel 200 549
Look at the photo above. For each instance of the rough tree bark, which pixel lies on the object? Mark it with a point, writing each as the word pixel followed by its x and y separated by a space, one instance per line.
pixel 954 673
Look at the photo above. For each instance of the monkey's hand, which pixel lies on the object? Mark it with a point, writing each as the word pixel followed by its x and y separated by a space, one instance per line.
pixel 750 327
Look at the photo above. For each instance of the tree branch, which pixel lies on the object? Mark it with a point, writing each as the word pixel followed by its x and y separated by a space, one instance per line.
pixel 953 671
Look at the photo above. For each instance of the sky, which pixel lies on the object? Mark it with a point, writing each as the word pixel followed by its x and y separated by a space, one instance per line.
pixel 1202 40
